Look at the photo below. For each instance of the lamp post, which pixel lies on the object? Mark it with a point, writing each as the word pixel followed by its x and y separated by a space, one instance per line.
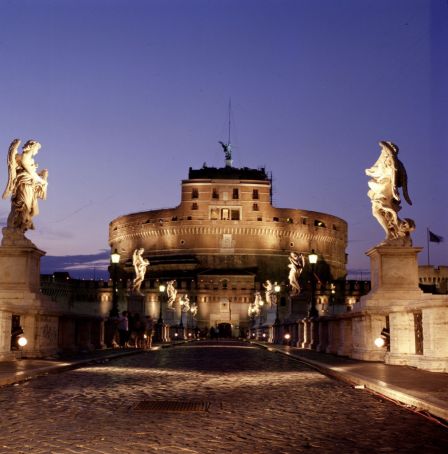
pixel 160 326
pixel 161 295
pixel 313 260
pixel 276 328
pixel 277 289
pixel 115 260
pixel 181 324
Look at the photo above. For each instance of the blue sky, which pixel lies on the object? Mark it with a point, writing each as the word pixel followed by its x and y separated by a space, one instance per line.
pixel 126 95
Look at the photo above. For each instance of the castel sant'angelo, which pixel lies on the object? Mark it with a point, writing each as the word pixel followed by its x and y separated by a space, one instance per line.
pixel 223 241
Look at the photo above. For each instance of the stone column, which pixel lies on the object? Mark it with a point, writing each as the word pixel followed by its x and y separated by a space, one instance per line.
pixel 345 347
pixel 365 329
pixel 307 340
pixel 435 338
pixel 322 326
pixel 300 334
pixel 5 336
pixel 334 331
pixel 314 331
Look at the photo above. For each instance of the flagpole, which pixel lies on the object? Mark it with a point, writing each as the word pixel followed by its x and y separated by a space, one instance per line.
pixel 427 242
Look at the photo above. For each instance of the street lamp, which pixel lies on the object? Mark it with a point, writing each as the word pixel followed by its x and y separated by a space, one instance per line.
pixel 161 295
pixel 115 260
pixel 160 334
pixel 313 260
pixel 277 289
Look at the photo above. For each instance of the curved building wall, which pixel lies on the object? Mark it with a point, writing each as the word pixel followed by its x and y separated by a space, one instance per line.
pixel 231 223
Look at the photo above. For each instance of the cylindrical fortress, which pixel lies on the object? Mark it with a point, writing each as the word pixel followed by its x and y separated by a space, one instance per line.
pixel 226 221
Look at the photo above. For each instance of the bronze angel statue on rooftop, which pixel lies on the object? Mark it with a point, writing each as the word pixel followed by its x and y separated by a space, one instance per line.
pixel 388 175
pixel 25 185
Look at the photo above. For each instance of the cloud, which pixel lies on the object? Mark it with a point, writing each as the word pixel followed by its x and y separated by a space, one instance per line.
pixel 79 266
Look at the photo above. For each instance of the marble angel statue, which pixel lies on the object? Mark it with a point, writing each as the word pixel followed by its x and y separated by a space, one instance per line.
pixel 255 307
pixel 140 264
pixel 25 185
pixel 296 265
pixel 184 302
pixel 226 147
pixel 269 292
pixel 171 292
pixel 388 175
pixel 194 309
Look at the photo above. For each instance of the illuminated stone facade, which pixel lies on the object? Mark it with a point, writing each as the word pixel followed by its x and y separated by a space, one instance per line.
pixel 225 239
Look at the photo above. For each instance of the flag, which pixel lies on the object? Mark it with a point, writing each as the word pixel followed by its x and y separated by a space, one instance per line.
pixel 434 238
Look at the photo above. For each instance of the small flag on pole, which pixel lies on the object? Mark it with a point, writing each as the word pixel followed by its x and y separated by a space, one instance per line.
pixel 434 238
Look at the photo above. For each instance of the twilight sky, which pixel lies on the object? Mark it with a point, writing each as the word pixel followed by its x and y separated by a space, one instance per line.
pixel 126 95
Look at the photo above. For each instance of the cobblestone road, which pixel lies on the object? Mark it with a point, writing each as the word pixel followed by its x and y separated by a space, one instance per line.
pixel 261 402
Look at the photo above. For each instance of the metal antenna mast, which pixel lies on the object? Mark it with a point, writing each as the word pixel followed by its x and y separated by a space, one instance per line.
pixel 230 108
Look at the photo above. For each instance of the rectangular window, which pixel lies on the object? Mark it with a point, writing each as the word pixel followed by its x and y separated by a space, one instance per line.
pixel 215 194
pixel 214 214
pixel 235 194
pixel 304 221
pixel 225 214
pixel 275 219
pixel 255 207
pixel 255 194
pixel 194 206
pixel 194 193
pixel 235 215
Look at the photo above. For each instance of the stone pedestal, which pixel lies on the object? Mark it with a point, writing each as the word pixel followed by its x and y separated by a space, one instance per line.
pixel 20 268
pixel 136 304
pixel 394 277
pixel 20 295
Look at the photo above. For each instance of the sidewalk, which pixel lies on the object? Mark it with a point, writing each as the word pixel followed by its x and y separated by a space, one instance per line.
pixel 24 369
pixel 421 390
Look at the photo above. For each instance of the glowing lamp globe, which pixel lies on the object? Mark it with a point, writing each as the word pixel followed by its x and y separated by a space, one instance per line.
pixel 313 257
pixel 22 341
pixel 115 257
pixel 379 342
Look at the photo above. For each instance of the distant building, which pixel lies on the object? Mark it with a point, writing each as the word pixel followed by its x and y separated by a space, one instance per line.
pixel 433 279
pixel 223 241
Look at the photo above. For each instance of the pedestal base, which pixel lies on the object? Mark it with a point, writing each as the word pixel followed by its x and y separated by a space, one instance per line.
pixel 136 304
pixel 20 296
pixel 394 278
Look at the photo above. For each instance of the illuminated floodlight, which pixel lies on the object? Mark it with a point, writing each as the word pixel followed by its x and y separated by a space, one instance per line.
pixel 287 336
pixel 22 341
pixel 161 288
pixel 264 334
pixel 379 342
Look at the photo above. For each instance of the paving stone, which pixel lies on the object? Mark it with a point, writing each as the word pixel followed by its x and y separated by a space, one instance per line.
pixel 261 402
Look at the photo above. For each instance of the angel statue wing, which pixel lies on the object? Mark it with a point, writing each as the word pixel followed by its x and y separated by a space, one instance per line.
pixel 12 167
pixel 402 180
